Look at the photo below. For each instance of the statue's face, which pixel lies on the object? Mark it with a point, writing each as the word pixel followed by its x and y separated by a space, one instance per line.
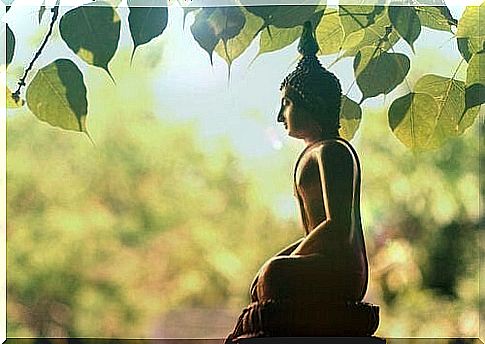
pixel 296 119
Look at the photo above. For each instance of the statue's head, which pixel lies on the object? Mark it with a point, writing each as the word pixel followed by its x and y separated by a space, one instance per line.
pixel 311 95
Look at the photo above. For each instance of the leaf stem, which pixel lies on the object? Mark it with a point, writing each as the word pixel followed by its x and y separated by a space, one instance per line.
pixel 21 83
pixel 458 67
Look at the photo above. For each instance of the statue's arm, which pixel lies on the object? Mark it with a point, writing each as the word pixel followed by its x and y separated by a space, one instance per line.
pixel 289 249
pixel 336 167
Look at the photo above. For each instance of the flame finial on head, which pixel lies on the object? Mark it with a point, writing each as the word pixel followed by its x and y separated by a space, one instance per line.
pixel 308 45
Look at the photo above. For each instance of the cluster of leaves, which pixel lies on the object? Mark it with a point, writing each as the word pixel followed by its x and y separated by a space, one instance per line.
pixel 434 109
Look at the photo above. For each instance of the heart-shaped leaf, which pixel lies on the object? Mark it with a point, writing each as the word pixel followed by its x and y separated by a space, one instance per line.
pixel 146 23
pixel 412 119
pixel 10 45
pixel 405 20
pixel 449 95
pixel 475 81
pixel 233 48
pixel 57 95
pixel 330 33
pixel 283 16
pixel 92 32
pixel 436 17
pixel 358 17
pixel 214 24
pixel 470 26
pixel 378 72
pixel 274 38
pixel 464 48
pixel 350 117
pixel 370 36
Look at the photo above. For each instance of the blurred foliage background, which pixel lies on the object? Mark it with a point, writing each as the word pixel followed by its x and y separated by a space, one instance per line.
pixel 158 232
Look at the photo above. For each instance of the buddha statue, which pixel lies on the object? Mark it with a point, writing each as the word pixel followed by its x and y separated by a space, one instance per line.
pixel 315 286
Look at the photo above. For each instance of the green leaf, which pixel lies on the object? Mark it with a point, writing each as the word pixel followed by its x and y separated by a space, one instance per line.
pixel 406 22
pixel 10 45
pixel 57 95
pixel 471 28
pixel 378 72
pixel 355 18
pixel 273 39
pixel 283 16
pixel 11 102
pixel 463 48
pixel 350 117
pixel 235 46
pixel 41 11
pixel 92 32
pixel 146 23
pixel 436 17
pixel 371 36
pixel 449 95
pixel 212 25
pixel 412 119
pixel 475 81
pixel 330 33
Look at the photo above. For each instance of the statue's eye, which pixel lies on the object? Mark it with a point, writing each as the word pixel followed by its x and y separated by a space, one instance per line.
pixel 285 102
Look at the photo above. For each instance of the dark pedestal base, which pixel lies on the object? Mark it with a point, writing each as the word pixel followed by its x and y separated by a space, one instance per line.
pixel 284 319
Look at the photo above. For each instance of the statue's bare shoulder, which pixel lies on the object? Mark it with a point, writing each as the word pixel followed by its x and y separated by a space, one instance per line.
pixel 336 152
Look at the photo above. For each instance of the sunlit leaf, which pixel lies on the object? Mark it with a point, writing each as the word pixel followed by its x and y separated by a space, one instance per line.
pixel 350 117
pixel 41 11
pixel 11 102
pixel 146 23
pixel 235 46
pixel 355 18
pixel 329 33
pixel 405 20
pixel 449 95
pixel 378 72
pixel 463 48
pixel 412 119
pixel 10 45
pixel 372 36
pixel 471 28
pixel 475 81
pixel 273 39
pixel 213 25
pixel 436 17
pixel 92 32
pixel 57 95
pixel 283 16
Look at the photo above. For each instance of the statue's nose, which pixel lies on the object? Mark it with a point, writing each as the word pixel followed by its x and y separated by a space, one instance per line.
pixel 280 117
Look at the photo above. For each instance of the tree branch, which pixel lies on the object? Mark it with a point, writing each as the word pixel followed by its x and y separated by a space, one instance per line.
pixel 21 83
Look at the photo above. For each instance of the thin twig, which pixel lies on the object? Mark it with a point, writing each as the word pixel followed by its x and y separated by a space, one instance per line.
pixel 21 83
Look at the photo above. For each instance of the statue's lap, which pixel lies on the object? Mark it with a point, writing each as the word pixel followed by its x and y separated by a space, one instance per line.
pixel 309 278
